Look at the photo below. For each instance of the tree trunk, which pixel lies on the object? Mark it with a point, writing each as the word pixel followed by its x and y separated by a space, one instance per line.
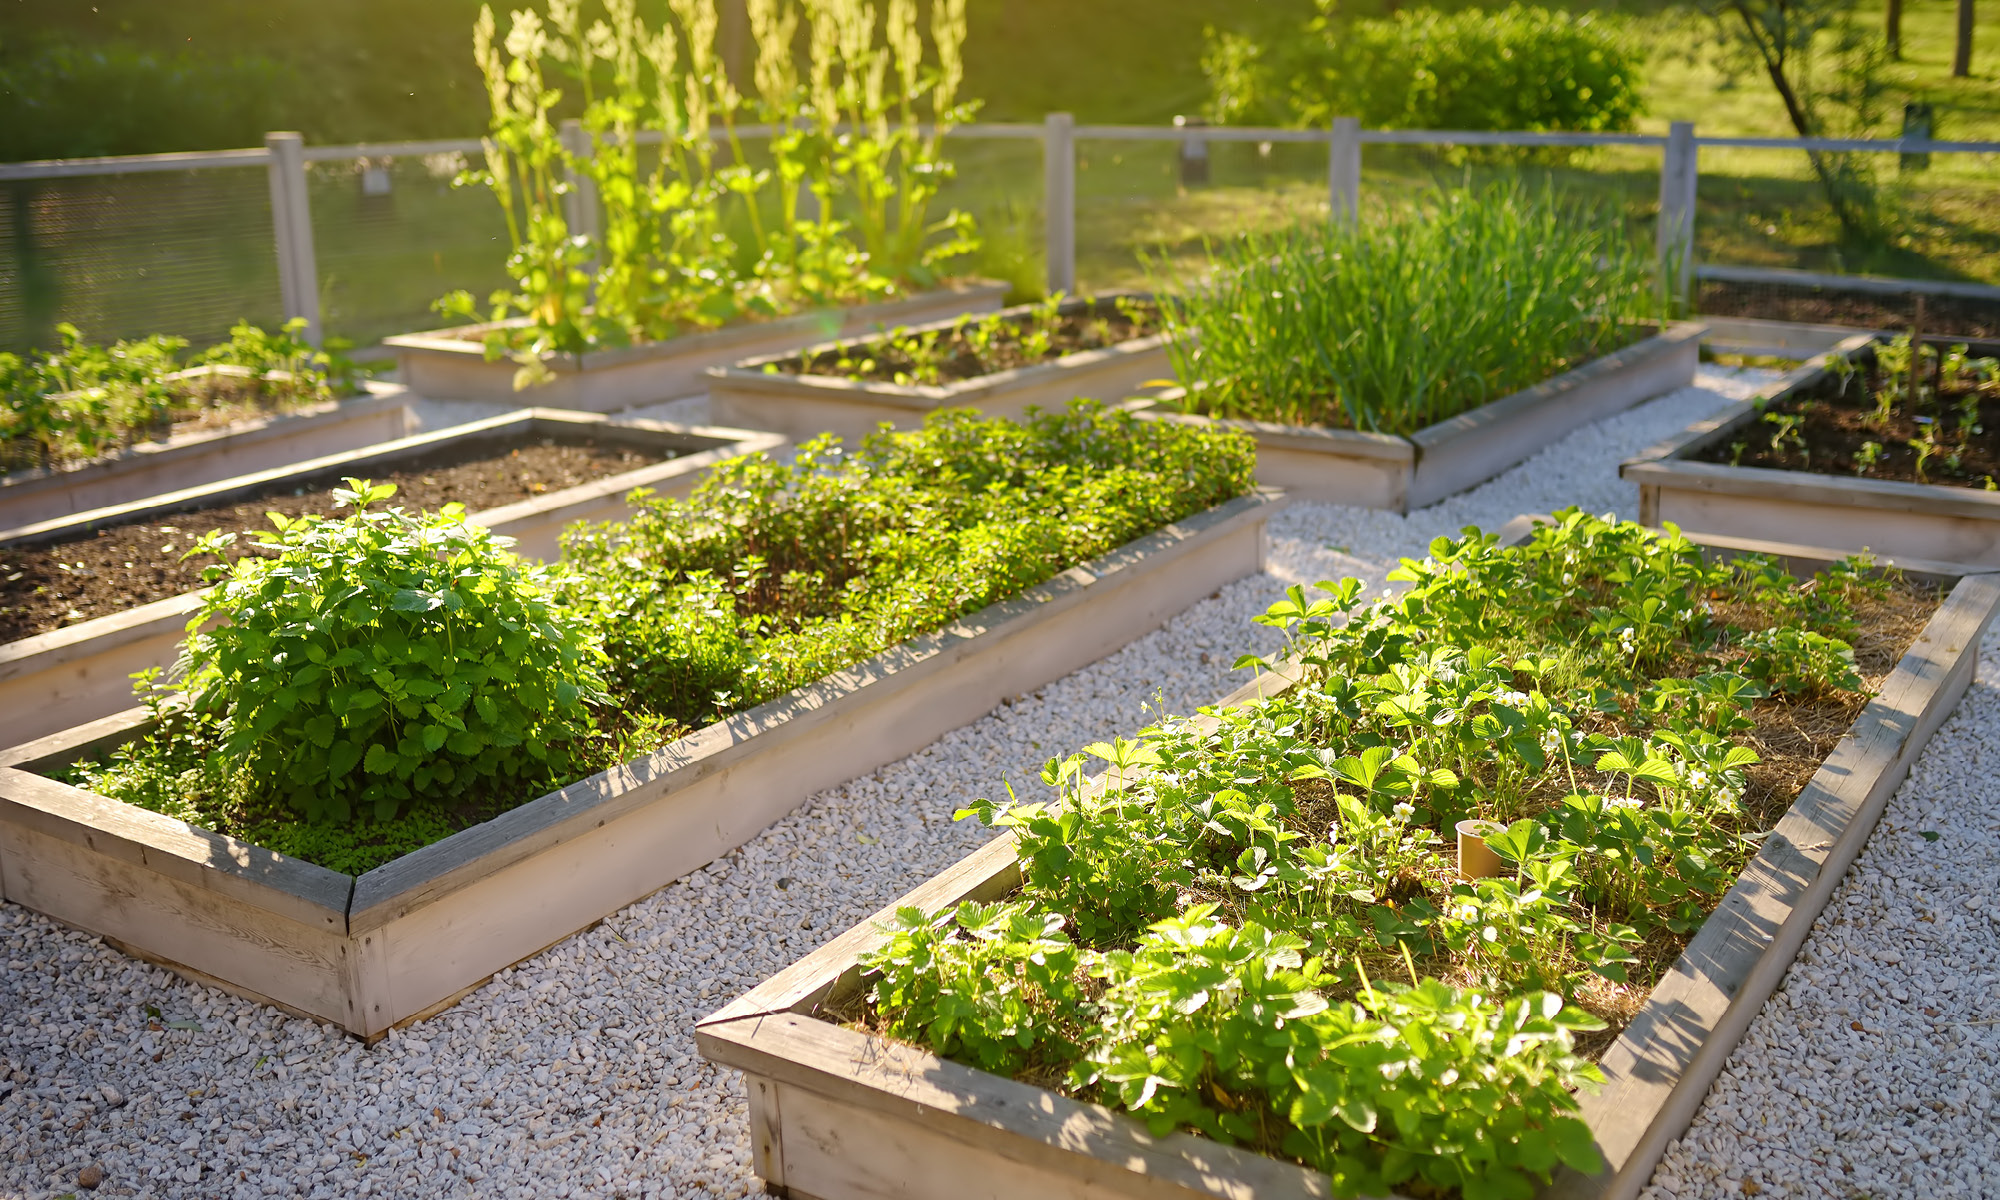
pixel 1961 62
pixel 1892 29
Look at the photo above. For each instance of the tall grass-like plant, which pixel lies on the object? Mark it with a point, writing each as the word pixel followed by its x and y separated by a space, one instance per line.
pixel 1408 318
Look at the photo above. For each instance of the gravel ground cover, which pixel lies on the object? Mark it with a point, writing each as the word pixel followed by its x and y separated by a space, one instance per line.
pixel 574 1074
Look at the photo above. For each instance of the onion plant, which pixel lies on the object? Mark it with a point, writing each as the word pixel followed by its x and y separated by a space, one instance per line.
pixel 1408 318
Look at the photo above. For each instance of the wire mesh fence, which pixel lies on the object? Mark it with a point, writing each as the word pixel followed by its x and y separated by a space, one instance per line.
pixel 392 235
pixel 121 256
pixel 192 251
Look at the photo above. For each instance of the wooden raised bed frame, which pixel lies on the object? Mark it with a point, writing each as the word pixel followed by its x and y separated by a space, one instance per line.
pixel 802 406
pixel 418 932
pixel 1402 474
pixel 442 365
pixel 66 677
pixel 840 1115
pixel 1915 520
pixel 188 460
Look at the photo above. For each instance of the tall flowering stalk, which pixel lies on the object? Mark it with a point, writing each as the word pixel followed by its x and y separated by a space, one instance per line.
pixel 700 239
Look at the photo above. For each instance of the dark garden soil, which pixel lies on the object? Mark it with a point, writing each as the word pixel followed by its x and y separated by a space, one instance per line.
pixel 48 586
pixel 1944 316
pixel 1958 424
pixel 961 353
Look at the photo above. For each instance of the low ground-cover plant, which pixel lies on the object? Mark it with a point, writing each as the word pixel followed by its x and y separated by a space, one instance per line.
pixel 773 575
pixel 1918 416
pixel 835 207
pixel 1394 324
pixel 1423 68
pixel 381 681
pixel 1252 924
pixel 973 346
pixel 85 400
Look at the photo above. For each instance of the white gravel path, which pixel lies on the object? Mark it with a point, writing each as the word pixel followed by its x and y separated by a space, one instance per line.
pixel 574 1074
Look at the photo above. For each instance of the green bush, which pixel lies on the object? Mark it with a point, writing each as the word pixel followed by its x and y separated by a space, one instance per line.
pixel 1520 68
pixel 385 658
pixel 380 682
pixel 772 575
pixel 1409 317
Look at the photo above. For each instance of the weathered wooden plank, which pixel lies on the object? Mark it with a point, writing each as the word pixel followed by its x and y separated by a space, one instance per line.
pixel 248 875
pixel 178 919
pixel 982 1121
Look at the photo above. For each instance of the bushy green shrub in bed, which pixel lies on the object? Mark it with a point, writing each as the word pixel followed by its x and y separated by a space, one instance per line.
pixel 772 575
pixel 382 681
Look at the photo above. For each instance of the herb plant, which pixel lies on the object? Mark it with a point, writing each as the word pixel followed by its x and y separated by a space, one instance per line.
pixel 83 400
pixel 380 682
pixel 772 575
pixel 1404 320
pixel 1283 953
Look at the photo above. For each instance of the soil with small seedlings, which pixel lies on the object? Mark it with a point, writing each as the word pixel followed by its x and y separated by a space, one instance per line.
pixel 1839 423
pixel 1944 316
pixel 958 354
pixel 48 586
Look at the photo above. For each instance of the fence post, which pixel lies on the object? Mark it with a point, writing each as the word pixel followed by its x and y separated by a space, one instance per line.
pixel 291 222
pixel 1343 171
pixel 580 202
pixel 1679 174
pixel 1059 200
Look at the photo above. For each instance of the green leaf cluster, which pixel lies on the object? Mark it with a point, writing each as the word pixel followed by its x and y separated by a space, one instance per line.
pixel 370 661
pixel 773 575
pixel 1240 884
pixel 85 400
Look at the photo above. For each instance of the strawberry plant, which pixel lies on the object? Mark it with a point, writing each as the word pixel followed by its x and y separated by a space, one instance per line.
pixel 1244 885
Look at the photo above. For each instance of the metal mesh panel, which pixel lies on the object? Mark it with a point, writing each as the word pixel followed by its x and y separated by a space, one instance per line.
pixel 120 256
pixel 390 236
pixel 1138 199
pixel 1767 208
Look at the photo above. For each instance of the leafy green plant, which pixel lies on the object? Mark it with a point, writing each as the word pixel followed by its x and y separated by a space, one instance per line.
pixel 1241 882
pixel 972 346
pixel 712 232
pixel 771 575
pixel 385 658
pixel 84 400
pixel 1394 324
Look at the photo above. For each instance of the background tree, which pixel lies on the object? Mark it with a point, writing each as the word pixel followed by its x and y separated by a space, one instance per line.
pixel 1826 74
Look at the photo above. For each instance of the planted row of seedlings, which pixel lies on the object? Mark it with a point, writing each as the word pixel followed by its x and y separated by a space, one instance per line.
pixel 1889 443
pixel 1387 364
pixel 395 756
pixel 1461 898
pixel 88 425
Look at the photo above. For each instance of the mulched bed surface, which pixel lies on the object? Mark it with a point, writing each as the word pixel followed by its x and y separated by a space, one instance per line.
pixel 1944 316
pixel 48 586
pixel 1836 426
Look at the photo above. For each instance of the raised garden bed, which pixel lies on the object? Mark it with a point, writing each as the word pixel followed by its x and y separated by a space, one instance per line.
pixel 838 1111
pixel 451 364
pixel 399 940
pixel 1106 348
pixel 1816 460
pixel 59 671
pixel 1401 474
